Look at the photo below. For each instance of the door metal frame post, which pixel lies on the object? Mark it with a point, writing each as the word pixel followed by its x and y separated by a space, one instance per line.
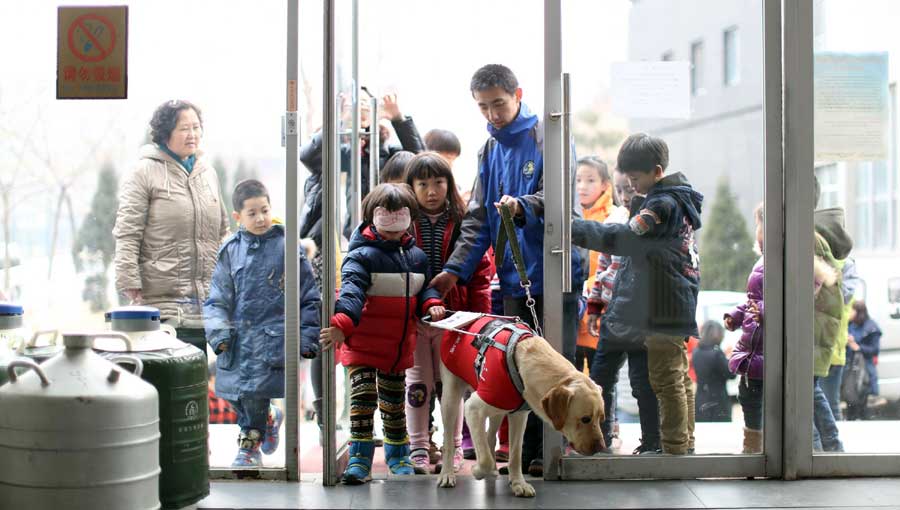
pixel 798 239
pixel 355 156
pixel 330 169
pixel 291 267
pixel 773 279
pixel 553 211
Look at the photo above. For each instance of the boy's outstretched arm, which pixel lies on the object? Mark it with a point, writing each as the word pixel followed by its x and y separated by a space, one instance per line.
pixel 612 238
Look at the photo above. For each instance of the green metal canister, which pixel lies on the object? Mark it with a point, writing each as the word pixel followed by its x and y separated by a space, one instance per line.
pixel 179 372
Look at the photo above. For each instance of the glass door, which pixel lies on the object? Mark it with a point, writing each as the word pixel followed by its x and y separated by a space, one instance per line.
pixel 340 172
pixel 846 207
pixel 710 88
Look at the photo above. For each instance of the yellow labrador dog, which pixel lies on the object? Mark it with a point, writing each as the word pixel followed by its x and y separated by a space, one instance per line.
pixel 547 382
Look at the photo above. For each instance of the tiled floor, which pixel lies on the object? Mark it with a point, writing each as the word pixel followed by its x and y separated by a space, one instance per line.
pixel 421 492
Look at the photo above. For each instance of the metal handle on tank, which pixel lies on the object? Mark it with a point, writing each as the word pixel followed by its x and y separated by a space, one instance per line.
pixel 27 363
pixel 134 360
pixel 115 334
pixel 37 334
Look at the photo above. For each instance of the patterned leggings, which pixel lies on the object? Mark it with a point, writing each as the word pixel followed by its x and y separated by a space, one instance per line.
pixel 371 388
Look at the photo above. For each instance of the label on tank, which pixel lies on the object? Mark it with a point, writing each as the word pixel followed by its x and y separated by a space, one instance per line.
pixel 190 417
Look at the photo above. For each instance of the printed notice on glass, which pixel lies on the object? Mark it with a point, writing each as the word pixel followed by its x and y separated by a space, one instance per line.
pixel 656 90
pixel 851 106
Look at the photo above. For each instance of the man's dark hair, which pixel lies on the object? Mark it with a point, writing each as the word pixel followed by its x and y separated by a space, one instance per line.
pixel 395 168
pixel 392 197
pixel 494 75
pixel 441 140
pixel 641 152
pixel 166 116
pixel 250 188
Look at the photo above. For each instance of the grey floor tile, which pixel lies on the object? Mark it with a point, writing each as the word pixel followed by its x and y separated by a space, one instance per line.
pixel 265 495
pixel 421 492
pixel 824 493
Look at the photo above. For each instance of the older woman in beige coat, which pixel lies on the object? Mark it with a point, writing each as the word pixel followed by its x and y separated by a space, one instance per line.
pixel 171 222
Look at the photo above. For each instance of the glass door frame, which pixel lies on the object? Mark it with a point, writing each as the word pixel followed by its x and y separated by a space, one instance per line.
pixel 335 455
pixel 799 147
pixel 291 129
pixel 768 464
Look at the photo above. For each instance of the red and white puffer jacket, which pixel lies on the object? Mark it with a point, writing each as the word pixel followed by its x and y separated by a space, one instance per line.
pixel 384 288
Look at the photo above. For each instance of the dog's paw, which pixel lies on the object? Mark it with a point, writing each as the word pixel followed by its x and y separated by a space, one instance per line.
pixel 521 488
pixel 447 480
pixel 480 472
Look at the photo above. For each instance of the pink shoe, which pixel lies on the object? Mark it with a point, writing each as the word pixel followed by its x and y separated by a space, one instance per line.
pixel 419 460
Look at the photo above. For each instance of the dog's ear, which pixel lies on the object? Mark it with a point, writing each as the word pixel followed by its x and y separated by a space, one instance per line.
pixel 556 404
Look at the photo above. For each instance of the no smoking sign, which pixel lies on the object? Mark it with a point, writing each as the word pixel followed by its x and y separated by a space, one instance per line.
pixel 92 53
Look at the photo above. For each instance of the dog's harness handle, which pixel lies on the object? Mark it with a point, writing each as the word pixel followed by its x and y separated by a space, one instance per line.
pixel 484 341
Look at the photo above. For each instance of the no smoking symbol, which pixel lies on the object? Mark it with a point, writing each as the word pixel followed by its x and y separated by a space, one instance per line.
pixel 92 37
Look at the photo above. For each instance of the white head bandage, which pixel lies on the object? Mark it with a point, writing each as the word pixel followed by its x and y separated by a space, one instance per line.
pixel 391 221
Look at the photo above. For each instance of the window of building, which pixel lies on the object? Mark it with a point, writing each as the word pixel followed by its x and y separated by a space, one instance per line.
pixel 732 55
pixel 873 208
pixel 830 188
pixel 697 67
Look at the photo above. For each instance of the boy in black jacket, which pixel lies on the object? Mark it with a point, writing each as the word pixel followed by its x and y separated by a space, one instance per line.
pixel 655 295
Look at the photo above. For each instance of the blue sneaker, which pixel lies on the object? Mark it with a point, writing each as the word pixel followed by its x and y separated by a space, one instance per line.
pixel 397 458
pixel 359 467
pixel 270 443
pixel 248 455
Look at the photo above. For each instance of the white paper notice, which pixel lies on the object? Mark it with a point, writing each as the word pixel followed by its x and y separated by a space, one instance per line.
pixel 851 106
pixel 457 320
pixel 658 90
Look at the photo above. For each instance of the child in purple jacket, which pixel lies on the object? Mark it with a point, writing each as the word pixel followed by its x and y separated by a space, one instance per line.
pixel 747 357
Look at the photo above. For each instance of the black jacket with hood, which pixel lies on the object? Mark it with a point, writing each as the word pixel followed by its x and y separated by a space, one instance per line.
pixel 657 285
pixel 311 157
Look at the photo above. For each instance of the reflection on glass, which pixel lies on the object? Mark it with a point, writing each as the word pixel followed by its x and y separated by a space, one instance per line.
pixel 862 385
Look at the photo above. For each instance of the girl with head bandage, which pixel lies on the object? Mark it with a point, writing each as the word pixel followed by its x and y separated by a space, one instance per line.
pixel 384 289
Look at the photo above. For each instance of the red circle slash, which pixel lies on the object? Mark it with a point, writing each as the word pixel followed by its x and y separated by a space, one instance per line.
pixel 104 52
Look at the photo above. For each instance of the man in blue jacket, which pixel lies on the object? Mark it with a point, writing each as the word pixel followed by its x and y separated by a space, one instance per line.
pixel 511 172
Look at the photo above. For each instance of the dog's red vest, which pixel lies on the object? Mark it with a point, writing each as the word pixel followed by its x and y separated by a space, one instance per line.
pixel 493 381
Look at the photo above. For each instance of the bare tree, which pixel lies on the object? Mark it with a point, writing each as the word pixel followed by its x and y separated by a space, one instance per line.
pixel 64 178
pixel 16 186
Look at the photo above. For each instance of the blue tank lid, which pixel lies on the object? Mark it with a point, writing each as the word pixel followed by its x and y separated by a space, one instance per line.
pixel 11 309
pixel 133 312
